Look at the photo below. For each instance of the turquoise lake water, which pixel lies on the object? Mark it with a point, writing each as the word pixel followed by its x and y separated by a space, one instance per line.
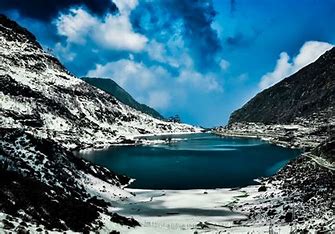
pixel 197 161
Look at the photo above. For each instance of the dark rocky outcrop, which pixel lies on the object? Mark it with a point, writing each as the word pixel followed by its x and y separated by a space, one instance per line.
pixel 43 179
pixel 44 205
pixel 21 34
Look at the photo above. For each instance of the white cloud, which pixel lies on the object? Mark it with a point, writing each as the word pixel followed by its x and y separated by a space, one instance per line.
pixel 64 52
pixel 159 99
pixel 283 69
pixel 171 53
pixel 144 83
pixel 197 80
pixel 156 51
pixel 76 25
pixel 308 53
pixel 129 74
pixel 154 85
pixel 224 64
pixel 116 33
pixel 126 6
pixel 112 32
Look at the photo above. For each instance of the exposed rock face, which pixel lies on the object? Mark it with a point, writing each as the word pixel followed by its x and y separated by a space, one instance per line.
pixel 45 113
pixel 309 92
pixel 122 95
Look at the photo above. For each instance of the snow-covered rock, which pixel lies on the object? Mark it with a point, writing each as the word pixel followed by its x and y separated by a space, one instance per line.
pixel 38 94
pixel 46 113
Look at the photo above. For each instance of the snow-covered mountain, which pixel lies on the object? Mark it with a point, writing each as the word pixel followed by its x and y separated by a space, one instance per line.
pixel 45 113
pixel 40 95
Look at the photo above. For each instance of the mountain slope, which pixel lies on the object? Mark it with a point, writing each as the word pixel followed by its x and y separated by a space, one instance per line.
pixel 119 93
pixel 298 112
pixel 310 91
pixel 45 114
pixel 38 93
pixel 43 182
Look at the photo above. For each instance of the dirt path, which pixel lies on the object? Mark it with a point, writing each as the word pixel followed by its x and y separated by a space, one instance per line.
pixel 321 162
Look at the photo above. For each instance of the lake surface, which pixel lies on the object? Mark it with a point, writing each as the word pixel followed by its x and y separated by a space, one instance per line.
pixel 196 161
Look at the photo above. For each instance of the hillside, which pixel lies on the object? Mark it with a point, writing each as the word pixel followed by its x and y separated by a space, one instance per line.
pixel 309 92
pixel 298 112
pixel 45 114
pixel 111 87
pixel 39 94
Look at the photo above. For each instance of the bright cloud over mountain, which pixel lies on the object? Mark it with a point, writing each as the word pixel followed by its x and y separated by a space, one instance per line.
pixel 285 66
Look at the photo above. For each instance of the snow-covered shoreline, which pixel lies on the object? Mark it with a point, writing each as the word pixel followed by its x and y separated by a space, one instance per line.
pixel 200 210
pixel 173 134
pixel 304 134
pixel 140 140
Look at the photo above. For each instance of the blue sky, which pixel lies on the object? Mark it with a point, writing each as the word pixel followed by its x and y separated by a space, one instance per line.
pixel 200 59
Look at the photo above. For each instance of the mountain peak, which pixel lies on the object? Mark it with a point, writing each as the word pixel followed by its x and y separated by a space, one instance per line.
pixel 12 31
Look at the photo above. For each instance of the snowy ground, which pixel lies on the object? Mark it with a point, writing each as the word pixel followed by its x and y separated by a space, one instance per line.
pixel 183 211
pixel 187 211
